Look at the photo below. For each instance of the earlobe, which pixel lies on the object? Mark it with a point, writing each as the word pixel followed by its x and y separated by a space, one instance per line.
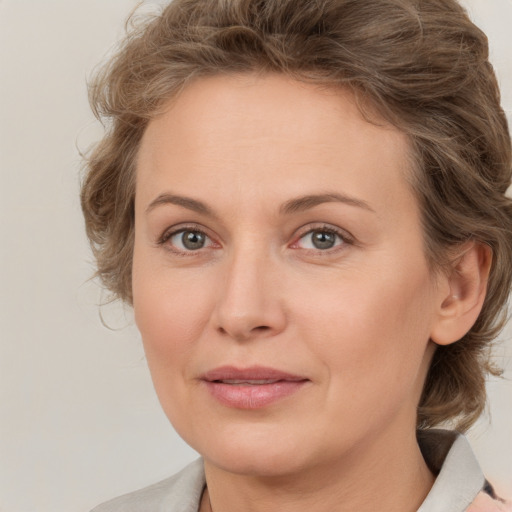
pixel 458 309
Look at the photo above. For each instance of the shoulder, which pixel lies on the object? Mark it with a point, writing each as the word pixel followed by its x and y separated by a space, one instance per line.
pixel 179 493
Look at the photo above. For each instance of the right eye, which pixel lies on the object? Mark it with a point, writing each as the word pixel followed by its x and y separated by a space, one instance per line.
pixel 187 240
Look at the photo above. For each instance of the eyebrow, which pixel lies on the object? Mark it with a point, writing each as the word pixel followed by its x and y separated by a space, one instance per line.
pixel 296 205
pixel 310 201
pixel 185 202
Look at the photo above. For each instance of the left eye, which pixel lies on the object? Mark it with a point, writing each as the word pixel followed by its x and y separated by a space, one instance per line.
pixel 189 240
pixel 320 239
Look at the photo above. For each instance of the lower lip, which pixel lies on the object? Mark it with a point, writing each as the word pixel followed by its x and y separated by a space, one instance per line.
pixel 253 396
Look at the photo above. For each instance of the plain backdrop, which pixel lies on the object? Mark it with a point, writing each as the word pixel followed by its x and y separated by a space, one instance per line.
pixel 79 421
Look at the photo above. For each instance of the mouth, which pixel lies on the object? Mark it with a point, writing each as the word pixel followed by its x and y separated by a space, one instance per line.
pixel 255 382
pixel 251 388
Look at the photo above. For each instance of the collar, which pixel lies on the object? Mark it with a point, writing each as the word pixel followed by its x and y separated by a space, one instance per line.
pixel 459 477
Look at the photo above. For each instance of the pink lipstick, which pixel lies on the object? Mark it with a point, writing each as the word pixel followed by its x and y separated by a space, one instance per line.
pixel 251 388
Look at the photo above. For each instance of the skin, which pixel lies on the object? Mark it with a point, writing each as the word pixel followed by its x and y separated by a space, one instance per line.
pixel 356 320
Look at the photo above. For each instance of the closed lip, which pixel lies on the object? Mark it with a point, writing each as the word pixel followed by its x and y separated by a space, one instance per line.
pixel 251 388
pixel 253 374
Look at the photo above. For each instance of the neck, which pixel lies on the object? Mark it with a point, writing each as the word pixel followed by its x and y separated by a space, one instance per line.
pixel 385 475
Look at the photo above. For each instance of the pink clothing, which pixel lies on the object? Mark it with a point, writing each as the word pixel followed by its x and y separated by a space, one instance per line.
pixel 484 503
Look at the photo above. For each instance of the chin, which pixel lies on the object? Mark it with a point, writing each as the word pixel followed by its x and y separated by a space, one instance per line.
pixel 270 463
pixel 255 451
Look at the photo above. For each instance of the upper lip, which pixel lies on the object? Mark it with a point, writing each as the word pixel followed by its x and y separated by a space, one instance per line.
pixel 253 373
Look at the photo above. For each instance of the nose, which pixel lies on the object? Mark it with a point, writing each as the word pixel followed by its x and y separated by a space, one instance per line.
pixel 250 299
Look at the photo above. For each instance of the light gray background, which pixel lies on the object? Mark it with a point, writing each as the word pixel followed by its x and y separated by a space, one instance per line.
pixel 79 421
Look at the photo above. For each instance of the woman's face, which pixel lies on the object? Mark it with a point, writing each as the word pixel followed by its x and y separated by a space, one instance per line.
pixel 279 279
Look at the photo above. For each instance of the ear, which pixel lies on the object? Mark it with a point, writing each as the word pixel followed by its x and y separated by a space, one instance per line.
pixel 462 293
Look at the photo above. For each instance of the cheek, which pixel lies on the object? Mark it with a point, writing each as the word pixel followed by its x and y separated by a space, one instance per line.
pixel 371 331
pixel 169 312
pixel 170 316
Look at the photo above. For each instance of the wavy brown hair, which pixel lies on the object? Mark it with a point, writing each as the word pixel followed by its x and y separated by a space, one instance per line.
pixel 421 64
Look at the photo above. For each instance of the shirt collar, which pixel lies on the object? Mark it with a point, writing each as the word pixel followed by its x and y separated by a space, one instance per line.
pixel 459 477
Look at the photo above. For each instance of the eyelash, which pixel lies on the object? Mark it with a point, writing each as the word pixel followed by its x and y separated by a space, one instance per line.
pixel 344 237
pixel 167 235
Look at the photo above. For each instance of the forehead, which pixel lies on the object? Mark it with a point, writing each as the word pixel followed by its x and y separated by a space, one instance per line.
pixel 266 133
pixel 241 107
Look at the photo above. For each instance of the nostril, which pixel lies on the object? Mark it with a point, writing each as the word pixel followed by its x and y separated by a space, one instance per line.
pixel 261 328
pixel 244 333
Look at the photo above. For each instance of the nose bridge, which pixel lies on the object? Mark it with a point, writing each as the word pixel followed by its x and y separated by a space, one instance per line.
pixel 248 300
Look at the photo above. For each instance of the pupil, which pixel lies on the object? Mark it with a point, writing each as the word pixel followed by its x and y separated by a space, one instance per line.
pixel 323 239
pixel 193 240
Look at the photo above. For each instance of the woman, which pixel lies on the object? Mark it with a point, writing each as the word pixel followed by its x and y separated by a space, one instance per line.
pixel 304 201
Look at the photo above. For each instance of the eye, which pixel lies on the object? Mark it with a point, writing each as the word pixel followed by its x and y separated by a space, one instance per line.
pixel 188 240
pixel 321 239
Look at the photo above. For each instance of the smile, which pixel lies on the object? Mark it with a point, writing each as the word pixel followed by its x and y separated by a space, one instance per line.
pixel 251 388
